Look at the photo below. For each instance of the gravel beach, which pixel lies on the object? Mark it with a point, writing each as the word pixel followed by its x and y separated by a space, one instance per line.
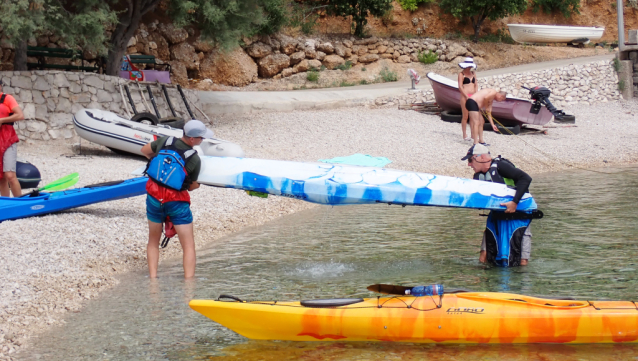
pixel 53 264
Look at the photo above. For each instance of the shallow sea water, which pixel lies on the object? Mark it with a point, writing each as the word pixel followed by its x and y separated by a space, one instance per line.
pixel 585 247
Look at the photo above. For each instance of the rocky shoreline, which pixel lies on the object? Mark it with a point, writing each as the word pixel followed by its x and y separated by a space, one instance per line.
pixel 56 263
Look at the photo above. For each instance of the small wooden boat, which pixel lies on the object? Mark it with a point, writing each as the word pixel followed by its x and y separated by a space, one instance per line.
pixel 513 111
pixel 531 33
pixel 126 136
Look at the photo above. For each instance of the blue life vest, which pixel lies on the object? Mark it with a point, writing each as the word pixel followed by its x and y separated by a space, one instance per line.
pixel 168 167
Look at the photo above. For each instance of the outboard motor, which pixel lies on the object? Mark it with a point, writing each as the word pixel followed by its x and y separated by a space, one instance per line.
pixel 540 96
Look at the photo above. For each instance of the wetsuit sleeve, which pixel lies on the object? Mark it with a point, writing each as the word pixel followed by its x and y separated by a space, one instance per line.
pixel 521 179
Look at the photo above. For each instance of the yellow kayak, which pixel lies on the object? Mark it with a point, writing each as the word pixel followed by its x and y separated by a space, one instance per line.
pixel 470 317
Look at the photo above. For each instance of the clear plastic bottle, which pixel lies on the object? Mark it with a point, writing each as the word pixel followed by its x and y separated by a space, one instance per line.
pixel 432 290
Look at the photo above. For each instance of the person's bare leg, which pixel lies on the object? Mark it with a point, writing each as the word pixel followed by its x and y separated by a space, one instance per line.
pixel 479 128
pixel 152 249
pixel 4 187
pixel 474 119
pixel 464 118
pixel 187 240
pixel 13 181
pixel 483 257
pixel 523 262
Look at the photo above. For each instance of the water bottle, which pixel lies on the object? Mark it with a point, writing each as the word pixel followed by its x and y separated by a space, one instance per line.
pixel 432 290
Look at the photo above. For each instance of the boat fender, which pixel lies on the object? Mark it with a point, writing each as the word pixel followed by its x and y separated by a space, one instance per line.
pixel 28 175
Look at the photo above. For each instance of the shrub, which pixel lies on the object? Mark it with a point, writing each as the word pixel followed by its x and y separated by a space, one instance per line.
pixel 566 7
pixel 616 65
pixel 312 75
pixel 363 69
pixel 345 83
pixel 501 36
pixel 412 5
pixel 363 82
pixel 345 66
pixel 621 85
pixel 427 58
pixel 388 75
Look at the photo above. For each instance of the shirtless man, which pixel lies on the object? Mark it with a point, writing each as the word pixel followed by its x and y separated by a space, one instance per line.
pixel 482 100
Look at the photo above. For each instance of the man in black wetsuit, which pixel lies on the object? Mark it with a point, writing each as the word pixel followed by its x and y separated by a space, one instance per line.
pixel 501 170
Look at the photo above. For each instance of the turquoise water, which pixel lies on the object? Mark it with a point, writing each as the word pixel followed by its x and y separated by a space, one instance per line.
pixel 585 247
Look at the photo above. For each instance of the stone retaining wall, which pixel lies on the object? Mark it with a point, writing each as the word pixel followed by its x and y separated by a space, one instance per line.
pixel 50 98
pixel 590 83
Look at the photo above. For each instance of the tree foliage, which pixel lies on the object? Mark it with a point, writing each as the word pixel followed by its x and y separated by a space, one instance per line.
pixel 359 10
pixel 566 7
pixel 476 11
pixel 81 24
pixel 413 5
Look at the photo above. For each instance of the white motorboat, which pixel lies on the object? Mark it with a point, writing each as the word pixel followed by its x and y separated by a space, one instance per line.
pixel 126 136
pixel 531 33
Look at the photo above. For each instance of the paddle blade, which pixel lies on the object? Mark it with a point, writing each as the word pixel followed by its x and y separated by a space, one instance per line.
pixel 389 289
pixel 62 183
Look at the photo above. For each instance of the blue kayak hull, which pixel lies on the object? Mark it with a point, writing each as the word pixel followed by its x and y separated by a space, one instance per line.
pixel 16 208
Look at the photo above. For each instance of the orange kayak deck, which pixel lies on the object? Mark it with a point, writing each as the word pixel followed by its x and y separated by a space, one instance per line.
pixel 472 317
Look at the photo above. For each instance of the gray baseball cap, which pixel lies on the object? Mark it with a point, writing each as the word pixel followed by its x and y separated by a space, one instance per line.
pixel 195 129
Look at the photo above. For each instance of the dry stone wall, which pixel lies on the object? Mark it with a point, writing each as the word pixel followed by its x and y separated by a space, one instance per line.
pixel 586 84
pixel 50 98
pixel 282 56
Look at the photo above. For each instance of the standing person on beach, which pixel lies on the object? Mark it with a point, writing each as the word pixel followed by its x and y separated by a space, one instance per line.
pixel 468 85
pixel 482 100
pixel 10 112
pixel 501 170
pixel 173 171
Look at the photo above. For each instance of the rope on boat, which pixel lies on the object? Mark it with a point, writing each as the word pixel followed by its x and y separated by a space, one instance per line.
pixel 484 113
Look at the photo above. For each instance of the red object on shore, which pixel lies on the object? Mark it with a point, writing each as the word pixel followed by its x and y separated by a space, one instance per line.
pixel 513 111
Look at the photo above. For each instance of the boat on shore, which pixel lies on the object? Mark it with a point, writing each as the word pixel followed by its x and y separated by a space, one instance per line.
pixel 127 136
pixel 40 203
pixel 461 317
pixel 532 33
pixel 511 112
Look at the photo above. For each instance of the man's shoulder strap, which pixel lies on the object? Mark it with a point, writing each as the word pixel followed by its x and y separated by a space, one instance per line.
pixel 4 95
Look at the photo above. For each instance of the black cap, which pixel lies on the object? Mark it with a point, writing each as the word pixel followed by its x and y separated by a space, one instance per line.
pixel 476 149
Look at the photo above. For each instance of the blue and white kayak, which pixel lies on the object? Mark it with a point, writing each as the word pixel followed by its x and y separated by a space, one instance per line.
pixel 337 184
pixel 16 208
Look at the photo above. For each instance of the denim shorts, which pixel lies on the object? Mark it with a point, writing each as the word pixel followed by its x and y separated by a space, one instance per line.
pixel 180 212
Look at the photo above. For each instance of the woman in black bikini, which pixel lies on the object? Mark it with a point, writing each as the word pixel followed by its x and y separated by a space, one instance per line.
pixel 468 85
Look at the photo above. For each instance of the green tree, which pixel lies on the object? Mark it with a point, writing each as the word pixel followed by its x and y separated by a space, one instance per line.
pixel 223 22
pixel 358 10
pixel 566 7
pixel 478 10
pixel 78 24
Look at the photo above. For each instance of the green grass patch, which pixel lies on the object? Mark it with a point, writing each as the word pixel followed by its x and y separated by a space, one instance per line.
pixel 345 83
pixel 616 65
pixel 363 82
pixel 312 75
pixel 345 66
pixel 388 75
pixel 501 36
pixel 427 58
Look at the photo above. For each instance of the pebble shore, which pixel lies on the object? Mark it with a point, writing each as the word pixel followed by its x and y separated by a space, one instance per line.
pixel 54 264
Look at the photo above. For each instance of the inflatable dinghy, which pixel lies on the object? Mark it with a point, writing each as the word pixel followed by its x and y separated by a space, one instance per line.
pixel 126 136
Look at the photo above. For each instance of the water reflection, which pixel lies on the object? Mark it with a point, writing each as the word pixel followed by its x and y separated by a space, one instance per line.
pixel 585 247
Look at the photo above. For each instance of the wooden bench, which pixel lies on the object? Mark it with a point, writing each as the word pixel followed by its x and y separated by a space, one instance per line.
pixel 41 53
pixel 148 59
